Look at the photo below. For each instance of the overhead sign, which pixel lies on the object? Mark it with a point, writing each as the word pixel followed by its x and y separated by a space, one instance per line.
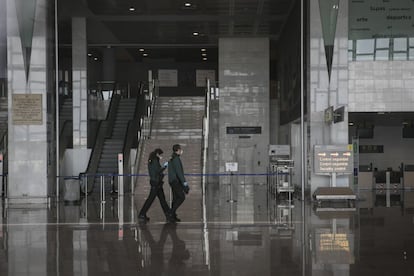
pixel 203 75
pixel 167 78
pixel 333 159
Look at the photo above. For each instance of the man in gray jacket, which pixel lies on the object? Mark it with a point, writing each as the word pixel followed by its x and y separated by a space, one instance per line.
pixel 177 181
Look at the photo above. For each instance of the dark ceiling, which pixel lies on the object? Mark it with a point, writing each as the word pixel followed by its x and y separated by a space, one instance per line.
pixel 165 28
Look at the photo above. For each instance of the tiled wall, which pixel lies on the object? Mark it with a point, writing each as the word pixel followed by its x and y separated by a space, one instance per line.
pixel 244 101
pixel 381 86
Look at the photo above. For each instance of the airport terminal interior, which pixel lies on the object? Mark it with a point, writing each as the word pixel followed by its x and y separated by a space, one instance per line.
pixel 295 119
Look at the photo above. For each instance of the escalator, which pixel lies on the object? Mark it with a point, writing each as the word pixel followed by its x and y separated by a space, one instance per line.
pixel 116 134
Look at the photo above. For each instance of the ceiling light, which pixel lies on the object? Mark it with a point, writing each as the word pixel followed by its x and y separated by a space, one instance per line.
pixel 204 54
pixel 95 58
pixel 351 123
pixel 203 49
pixel 145 54
pixel 204 58
pixel 405 123
pixel 187 4
pixel 131 9
pixel 195 33
pixel 89 54
pixel 141 49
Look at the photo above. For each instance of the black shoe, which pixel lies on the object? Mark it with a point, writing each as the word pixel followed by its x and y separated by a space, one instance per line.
pixel 143 218
pixel 176 218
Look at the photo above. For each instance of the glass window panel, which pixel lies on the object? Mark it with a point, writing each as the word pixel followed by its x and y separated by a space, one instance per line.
pixel 400 56
pixel 381 55
pixel 365 46
pixel 400 44
pixel 411 41
pixel 411 54
pixel 365 57
pixel 383 43
pixel 350 44
pixel 350 55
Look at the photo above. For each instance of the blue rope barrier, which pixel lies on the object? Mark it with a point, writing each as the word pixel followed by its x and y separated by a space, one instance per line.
pixel 188 174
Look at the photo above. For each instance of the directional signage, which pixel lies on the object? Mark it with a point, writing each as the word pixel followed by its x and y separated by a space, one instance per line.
pixel 333 159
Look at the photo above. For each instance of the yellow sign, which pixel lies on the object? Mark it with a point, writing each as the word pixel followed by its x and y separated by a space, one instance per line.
pixel 27 109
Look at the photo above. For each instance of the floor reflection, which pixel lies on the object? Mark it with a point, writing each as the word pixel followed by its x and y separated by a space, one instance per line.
pixel 258 235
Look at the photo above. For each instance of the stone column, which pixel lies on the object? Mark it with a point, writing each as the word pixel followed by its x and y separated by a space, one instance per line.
pixel 3 47
pixel 328 79
pixel 244 102
pixel 27 40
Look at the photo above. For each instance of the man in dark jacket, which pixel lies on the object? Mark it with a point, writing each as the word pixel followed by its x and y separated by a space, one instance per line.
pixel 156 173
pixel 177 181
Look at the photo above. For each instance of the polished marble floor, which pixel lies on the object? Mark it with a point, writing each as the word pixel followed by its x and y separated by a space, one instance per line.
pixel 257 235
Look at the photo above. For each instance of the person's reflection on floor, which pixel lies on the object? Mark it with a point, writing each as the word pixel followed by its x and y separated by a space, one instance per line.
pixel 179 253
pixel 156 265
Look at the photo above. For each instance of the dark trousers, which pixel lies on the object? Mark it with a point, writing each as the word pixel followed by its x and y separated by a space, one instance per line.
pixel 156 191
pixel 178 196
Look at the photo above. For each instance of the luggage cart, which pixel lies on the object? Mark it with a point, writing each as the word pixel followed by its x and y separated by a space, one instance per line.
pixel 284 170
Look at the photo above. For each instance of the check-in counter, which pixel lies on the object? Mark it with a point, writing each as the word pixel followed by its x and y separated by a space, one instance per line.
pixel 409 177
pixel 365 178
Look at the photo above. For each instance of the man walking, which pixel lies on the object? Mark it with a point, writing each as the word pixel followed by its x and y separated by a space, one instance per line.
pixel 177 181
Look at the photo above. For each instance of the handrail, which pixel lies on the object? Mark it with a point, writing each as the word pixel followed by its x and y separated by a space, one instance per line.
pixel 146 127
pixel 131 132
pixel 66 127
pixel 104 131
pixel 206 128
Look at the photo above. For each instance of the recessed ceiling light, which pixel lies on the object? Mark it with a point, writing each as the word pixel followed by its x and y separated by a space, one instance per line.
pixel 131 9
pixel 203 50
pixel 351 123
pixel 95 58
pixel 145 54
pixel 187 4
pixel 141 49
pixel 405 123
pixel 204 58
pixel 204 54
pixel 89 54
pixel 195 33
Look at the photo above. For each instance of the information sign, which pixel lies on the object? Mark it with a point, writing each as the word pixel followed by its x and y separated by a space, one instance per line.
pixel 232 166
pixel 333 159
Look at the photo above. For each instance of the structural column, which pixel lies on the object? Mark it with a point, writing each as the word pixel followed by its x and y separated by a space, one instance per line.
pixel 109 64
pixel 27 88
pixel 328 80
pixel 244 106
pixel 80 154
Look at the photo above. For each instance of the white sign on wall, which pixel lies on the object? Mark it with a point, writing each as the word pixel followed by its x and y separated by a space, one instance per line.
pixel 232 166
pixel 379 18
pixel 203 75
pixel 168 78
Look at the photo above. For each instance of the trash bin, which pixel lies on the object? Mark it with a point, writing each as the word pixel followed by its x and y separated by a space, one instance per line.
pixel 71 189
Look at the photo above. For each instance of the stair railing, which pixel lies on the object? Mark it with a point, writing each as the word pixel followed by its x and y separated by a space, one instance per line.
pixel 206 128
pixel 145 123
pixel 131 134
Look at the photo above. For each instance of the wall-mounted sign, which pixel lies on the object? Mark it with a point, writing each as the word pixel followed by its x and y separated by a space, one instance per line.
pixel 244 130
pixel 27 109
pixel 168 78
pixel 279 150
pixel 333 159
pixel 380 18
pixel 232 166
pixel 203 75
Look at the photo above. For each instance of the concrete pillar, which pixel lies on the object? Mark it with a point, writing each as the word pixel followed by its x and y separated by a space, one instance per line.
pixel 108 69
pixel 328 50
pixel 27 67
pixel 80 154
pixel 244 102
pixel 3 47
